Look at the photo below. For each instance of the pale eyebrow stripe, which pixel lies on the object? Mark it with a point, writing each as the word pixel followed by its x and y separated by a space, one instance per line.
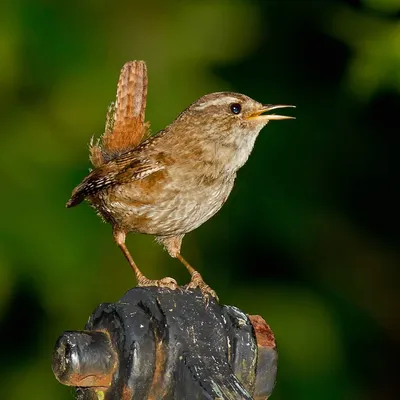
pixel 216 102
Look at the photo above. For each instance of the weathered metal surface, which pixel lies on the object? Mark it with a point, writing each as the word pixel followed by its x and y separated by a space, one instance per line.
pixel 267 361
pixel 157 343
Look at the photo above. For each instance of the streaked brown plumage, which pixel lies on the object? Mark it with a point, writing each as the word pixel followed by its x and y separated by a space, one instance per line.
pixel 175 181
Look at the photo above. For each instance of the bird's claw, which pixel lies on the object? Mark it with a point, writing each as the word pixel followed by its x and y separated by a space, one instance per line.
pixel 198 282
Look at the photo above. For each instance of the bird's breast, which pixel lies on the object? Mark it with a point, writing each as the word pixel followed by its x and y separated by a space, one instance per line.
pixel 176 206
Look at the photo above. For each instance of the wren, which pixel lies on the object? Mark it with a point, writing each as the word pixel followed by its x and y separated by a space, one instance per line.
pixel 169 184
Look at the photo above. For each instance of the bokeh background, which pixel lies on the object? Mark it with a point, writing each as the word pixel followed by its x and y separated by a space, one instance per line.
pixel 309 237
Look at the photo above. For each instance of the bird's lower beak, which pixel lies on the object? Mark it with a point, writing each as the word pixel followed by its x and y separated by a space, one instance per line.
pixel 260 116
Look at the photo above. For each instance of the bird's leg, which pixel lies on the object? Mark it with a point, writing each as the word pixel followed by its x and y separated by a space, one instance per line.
pixel 173 246
pixel 197 280
pixel 119 237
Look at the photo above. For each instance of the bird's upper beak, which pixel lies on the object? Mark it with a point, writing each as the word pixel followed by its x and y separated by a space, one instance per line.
pixel 260 116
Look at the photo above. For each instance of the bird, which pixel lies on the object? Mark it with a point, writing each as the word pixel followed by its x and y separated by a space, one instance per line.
pixel 169 184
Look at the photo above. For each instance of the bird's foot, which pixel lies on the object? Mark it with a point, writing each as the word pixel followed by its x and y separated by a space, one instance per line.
pixel 198 282
pixel 167 282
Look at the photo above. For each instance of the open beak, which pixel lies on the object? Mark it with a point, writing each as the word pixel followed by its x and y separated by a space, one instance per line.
pixel 260 116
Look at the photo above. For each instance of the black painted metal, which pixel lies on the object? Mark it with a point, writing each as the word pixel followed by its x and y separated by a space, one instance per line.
pixel 170 344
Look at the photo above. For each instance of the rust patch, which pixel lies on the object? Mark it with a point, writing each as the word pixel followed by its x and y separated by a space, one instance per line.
pixel 158 376
pixel 264 335
pixel 100 381
pixel 127 393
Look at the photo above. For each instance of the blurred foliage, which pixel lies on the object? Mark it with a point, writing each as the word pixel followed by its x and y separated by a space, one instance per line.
pixel 309 237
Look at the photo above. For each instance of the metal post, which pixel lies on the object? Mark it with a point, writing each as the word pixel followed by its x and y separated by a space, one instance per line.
pixel 157 343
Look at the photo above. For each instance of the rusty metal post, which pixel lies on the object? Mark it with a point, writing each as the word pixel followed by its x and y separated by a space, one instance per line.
pixel 161 344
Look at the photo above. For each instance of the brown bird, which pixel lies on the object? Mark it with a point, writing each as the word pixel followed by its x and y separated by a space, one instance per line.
pixel 176 180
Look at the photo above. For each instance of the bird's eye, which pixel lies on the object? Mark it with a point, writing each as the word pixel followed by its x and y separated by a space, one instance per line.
pixel 236 108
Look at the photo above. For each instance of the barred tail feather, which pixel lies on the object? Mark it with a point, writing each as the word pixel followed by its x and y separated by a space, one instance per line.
pixel 126 128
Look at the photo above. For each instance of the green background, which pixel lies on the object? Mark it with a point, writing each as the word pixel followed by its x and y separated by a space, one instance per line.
pixel 309 237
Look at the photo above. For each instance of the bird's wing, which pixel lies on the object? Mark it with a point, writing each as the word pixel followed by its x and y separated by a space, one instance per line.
pixel 122 170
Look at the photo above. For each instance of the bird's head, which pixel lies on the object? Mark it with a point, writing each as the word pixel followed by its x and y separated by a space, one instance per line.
pixel 228 121
pixel 231 111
